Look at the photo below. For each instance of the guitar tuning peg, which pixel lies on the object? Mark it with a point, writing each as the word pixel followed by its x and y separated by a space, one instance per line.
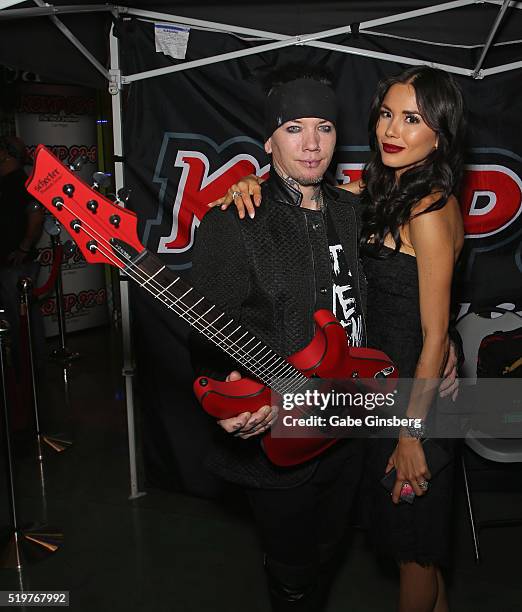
pixel 123 195
pixel 78 162
pixel 100 179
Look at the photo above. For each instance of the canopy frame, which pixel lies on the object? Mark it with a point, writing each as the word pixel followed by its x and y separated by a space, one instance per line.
pixel 279 40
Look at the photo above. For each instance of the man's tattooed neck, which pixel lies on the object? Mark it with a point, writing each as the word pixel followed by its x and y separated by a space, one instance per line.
pixel 318 197
pixel 289 180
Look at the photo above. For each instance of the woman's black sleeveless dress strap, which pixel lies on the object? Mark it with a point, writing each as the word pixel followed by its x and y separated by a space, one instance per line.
pixel 418 532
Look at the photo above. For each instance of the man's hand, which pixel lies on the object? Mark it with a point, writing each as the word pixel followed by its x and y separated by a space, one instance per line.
pixel 247 424
pixel 450 381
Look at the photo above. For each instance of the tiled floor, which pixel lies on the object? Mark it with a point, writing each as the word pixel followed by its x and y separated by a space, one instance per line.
pixel 169 551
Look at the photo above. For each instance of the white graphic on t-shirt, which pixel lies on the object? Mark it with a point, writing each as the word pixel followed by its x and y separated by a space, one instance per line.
pixel 343 302
pixel 334 255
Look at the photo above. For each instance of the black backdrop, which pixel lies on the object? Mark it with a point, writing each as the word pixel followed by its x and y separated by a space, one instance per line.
pixel 190 134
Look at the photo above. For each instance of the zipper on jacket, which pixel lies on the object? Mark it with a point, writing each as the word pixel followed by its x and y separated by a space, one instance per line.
pixel 357 265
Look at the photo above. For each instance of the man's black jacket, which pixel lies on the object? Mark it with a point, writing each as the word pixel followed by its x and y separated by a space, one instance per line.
pixel 270 274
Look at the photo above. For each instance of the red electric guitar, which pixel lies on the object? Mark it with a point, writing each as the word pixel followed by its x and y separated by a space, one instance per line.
pixel 106 233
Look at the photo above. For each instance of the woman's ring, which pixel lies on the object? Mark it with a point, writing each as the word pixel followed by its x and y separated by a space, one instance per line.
pixel 235 194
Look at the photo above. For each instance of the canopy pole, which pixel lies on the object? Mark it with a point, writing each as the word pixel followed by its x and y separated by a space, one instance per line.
pixel 74 41
pixel 500 69
pixel 476 71
pixel 6 3
pixel 48 10
pixel 296 40
pixel 128 361
pixel 512 4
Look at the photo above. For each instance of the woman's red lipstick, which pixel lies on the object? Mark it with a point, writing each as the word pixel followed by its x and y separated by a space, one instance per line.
pixel 389 148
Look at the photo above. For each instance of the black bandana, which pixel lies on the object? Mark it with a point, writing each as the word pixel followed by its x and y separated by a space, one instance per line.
pixel 297 99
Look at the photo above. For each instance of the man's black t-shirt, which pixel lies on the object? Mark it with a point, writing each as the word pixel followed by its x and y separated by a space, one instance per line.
pixel 344 304
pixel 14 200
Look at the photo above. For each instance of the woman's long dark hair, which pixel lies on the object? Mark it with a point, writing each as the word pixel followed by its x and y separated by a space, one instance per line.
pixel 389 202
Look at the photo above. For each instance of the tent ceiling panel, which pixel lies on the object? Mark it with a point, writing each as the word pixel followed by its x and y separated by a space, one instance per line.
pixel 46 51
pixel 37 45
pixel 467 25
pixel 470 24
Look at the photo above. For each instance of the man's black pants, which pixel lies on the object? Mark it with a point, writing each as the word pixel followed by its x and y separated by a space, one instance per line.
pixel 301 528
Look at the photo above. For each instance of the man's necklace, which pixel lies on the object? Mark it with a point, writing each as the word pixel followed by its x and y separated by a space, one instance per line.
pixel 319 198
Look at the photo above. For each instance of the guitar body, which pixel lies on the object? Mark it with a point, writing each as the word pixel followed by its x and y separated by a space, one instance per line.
pixel 326 356
pixel 107 233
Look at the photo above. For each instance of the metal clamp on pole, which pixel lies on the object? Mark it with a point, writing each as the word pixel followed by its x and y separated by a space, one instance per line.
pixel 115 81
pixel 20 544
pixel 25 286
pixel 61 354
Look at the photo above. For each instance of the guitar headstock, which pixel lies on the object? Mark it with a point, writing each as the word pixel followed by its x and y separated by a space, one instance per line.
pixel 104 232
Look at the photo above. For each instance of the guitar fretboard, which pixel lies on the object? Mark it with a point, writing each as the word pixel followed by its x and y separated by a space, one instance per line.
pixel 250 352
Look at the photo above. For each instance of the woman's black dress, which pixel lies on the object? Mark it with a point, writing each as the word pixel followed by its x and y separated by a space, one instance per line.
pixel 421 531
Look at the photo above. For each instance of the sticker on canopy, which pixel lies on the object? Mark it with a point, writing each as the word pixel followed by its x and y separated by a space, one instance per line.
pixel 171 40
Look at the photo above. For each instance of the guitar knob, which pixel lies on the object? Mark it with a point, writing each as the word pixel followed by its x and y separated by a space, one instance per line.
pixel 92 245
pixel 76 225
pixel 92 205
pixel 68 190
pixel 115 220
pixel 58 202
pixel 203 382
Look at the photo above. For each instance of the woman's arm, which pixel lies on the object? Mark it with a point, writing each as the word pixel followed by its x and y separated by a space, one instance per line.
pixel 355 187
pixel 246 195
pixel 436 239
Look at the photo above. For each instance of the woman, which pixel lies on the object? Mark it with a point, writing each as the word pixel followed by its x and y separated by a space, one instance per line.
pixel 412 237
pixel 413 234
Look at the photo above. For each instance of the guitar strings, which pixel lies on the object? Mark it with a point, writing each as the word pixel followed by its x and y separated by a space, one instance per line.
pixel 294 381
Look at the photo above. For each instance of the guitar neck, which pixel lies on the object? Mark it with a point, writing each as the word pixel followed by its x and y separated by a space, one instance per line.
pixel 106 233
pixel 251 353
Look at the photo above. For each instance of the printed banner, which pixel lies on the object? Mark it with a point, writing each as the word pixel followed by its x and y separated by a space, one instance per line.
pixel 63 118
pixel 189 135
pixel 204 131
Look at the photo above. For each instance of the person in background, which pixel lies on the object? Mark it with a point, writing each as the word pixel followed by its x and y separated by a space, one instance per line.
pixel 22 223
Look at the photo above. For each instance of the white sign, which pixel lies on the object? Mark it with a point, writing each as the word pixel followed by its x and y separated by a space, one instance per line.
pixel 64 119
pixel 171 40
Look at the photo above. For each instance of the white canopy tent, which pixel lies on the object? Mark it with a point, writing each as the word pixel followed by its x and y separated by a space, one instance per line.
pixel 265 41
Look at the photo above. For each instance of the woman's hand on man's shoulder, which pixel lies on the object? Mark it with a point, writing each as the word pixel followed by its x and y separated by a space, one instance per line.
pixel 355 187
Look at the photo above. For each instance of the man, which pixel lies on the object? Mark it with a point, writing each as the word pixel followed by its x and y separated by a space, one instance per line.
pixel 22 222
pixel 259 272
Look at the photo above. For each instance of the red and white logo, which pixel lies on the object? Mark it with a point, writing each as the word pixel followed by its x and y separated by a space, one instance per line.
pixel 490 199
pixel 197 188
